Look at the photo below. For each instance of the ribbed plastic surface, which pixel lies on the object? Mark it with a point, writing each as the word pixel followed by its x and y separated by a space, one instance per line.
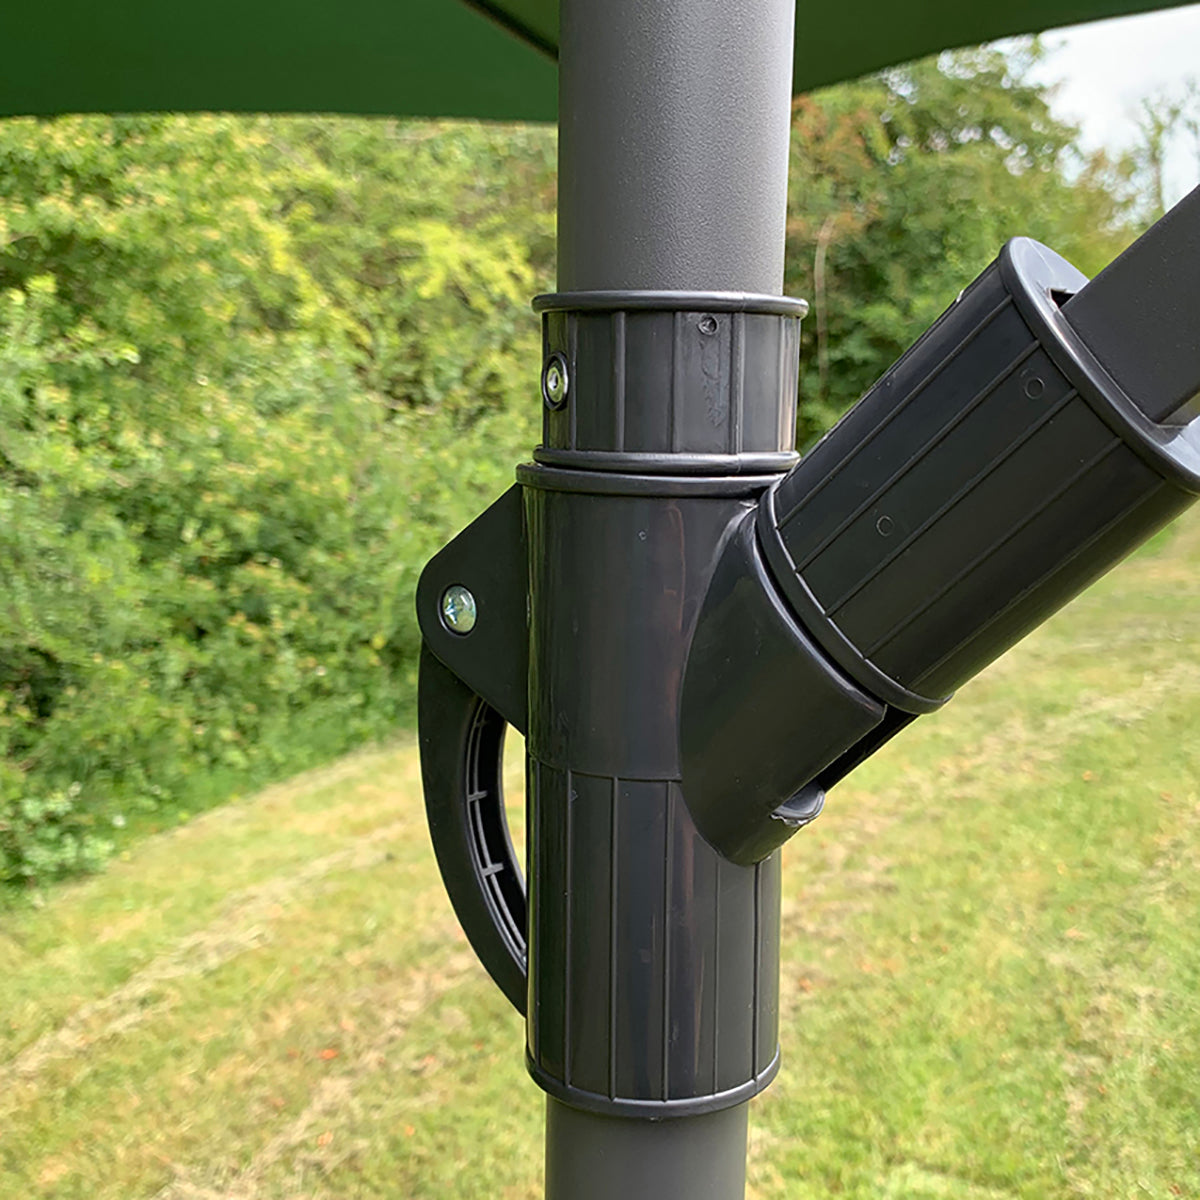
pixel 716 382
pixel 986 479
pixel 653 964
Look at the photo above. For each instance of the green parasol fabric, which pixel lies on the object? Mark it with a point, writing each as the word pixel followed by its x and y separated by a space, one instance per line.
pixel 493 60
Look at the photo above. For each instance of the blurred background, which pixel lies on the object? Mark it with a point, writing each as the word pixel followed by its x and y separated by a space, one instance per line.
pixel 253 373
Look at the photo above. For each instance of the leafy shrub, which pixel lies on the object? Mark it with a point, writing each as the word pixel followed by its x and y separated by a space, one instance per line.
pixel 227 446
pixel 44 837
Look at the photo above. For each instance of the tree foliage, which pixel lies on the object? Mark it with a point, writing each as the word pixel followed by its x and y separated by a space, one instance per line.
pixel 1168 128
pixel 905 185
pixel 252 373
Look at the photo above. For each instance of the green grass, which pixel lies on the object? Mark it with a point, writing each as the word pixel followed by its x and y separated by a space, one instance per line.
pixel 991 968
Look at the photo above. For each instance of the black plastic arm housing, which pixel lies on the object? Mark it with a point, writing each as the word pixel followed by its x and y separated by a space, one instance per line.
pixel 1041 430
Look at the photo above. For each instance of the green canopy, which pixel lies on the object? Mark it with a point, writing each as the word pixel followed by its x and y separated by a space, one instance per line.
pixel 416 57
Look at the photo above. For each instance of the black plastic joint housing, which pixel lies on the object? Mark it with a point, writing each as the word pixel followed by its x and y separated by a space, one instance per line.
pixel 995 471
pixel 653 959
pixel 764 712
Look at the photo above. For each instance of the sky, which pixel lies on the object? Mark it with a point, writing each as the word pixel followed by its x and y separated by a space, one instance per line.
pixel 1106 68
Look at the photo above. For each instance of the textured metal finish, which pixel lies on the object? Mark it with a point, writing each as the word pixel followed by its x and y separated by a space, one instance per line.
pixel 590 1157
pixel 673 144
pixel 1142 316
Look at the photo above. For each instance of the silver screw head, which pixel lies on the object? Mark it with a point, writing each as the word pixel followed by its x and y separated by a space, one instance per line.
pixel 555 381
pixel 458 609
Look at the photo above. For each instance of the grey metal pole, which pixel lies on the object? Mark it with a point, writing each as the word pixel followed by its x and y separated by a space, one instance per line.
pixel 674 120
pixel 590 1157
pixel 673 144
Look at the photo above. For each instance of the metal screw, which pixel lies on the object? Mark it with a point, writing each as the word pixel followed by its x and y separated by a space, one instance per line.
pixel 555 381
pixel 885 525
pixel 707 326
pixel 458 609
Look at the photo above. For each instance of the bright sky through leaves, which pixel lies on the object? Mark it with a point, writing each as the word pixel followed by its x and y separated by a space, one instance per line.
pixel 1108 67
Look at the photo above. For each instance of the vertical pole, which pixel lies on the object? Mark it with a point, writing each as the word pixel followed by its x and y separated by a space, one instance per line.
pixel 590 1157
pixel 673 144
pixel 674 120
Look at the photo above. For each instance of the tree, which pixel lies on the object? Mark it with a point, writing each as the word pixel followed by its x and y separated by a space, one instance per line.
pixel 1158 123
pixel 904 186
pixel 1168 128
pixel 252 373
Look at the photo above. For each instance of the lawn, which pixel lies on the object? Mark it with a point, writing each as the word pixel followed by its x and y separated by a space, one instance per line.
pixel 991 968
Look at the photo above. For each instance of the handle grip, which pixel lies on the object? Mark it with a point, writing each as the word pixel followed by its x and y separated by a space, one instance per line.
pixel 462 757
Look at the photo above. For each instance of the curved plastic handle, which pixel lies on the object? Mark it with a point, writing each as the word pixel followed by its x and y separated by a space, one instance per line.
pixel 462 759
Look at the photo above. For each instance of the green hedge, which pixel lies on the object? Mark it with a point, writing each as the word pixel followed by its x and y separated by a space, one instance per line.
pixel 252 374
